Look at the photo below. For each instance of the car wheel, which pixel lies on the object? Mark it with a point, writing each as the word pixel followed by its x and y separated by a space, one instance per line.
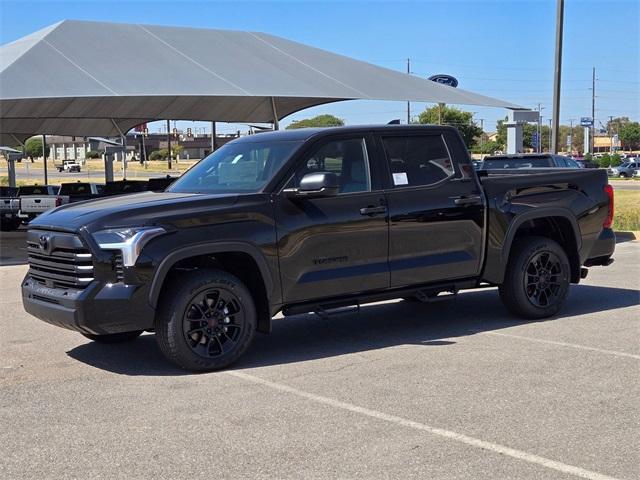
pixel 207 321
pixel 623 175
pixel 536 282
pixel 114 337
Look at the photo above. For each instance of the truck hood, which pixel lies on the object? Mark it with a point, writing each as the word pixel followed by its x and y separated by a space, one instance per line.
pixel 145 208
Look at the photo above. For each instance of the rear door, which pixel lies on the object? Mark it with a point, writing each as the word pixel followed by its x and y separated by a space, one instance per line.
pixel 336 245
pixel 436 209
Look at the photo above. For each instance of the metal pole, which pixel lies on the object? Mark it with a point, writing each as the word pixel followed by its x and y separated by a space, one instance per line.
pixel 539 126
pixel 44 158
pixel 408 103
pixel 550 130
pixel 213 137
pixel 593 110
pixel 169 141
pixel 557 74
pixel 276 123
pixel 481 135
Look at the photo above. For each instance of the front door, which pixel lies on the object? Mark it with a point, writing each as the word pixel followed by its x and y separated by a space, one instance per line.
pixel 337 245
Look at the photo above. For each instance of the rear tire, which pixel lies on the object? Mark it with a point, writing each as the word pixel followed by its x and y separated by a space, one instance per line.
pixel 206 321
pixel 536 282
pixel 114 337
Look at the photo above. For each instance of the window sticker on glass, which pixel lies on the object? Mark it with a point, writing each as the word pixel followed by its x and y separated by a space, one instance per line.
pixel 400 178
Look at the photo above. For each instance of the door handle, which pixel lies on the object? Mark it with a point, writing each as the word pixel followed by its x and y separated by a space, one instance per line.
pixel 471 200
pixel 373 210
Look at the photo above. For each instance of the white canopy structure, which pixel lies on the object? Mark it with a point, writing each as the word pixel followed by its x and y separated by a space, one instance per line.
pixel 94 78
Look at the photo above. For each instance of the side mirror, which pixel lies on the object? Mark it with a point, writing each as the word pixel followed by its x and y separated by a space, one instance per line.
pixel 315 185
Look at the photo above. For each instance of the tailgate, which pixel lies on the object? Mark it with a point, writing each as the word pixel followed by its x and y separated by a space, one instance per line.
pixel 36 204
pixel 9 205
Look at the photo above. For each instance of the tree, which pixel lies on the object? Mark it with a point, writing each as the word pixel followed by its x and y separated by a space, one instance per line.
pixel 326 120
pixel 630 136
pixel 33 148
pixel 460 119
pixel 176 150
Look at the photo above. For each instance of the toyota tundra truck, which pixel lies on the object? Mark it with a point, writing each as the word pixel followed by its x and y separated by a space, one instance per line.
pixel 313 220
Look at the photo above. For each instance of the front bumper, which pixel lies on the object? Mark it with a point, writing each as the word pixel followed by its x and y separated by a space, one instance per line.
pixel 100 308
pixel 602 249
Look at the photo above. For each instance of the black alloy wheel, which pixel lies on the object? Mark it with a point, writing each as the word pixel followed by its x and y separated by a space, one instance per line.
pixel 206 319
pixel 537 278
pixel 543 280
pixel 213 322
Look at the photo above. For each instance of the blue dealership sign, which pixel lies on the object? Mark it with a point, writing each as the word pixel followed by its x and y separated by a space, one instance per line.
pixel 444 79
pixel 586 121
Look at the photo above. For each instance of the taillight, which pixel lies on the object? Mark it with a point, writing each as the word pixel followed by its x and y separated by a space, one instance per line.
pixel 608 221
pixel 58 201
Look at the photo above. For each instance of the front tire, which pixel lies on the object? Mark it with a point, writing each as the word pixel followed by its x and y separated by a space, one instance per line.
pixel 114 337
pixel 205 321
pixel 536 282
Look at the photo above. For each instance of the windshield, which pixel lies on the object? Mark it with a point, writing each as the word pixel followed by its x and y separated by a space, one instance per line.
pixel 243 167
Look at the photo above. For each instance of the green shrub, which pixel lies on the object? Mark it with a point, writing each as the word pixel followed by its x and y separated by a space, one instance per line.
pixel 93 154
pixel 158 154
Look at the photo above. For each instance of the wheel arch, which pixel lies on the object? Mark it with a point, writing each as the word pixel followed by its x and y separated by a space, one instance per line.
pixel 558 224
pixel 262 286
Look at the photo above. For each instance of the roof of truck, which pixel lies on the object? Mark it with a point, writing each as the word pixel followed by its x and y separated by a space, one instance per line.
pixel 302 134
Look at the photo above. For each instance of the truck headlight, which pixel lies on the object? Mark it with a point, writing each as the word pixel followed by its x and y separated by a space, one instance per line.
pixel 129 241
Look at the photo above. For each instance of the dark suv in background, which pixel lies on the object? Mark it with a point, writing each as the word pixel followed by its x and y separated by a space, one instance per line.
pixel 528 160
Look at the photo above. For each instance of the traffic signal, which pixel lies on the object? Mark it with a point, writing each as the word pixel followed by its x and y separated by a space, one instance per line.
pixel 189 132
pixel 175 132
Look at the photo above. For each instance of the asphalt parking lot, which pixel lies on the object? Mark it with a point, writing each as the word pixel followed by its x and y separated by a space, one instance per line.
pixel 453 390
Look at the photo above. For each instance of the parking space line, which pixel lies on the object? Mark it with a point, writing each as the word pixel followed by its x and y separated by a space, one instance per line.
pixel 564 344
pixel 458 437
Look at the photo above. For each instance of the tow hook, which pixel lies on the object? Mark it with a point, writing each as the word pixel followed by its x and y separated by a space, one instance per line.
pixel 584 272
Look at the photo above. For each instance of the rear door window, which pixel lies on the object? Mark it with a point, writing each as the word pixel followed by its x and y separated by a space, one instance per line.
pixel 417 160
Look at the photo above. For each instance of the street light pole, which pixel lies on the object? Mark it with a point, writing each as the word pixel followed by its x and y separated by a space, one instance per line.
pixel 557 74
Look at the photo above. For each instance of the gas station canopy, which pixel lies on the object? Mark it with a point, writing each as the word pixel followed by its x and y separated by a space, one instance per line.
pixel 93 78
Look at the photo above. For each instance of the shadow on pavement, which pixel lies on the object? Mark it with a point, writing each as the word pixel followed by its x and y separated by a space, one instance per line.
pixel 308 337
pixel 13 247
pixel 622 237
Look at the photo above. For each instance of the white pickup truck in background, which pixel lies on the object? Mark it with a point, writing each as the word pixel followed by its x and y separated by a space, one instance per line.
pixel 69 166
pixel 36 199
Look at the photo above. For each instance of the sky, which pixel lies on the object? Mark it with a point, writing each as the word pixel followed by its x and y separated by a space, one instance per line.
pixel 503 49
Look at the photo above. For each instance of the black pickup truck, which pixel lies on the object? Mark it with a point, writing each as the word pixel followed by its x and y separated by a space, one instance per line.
pixel 312 220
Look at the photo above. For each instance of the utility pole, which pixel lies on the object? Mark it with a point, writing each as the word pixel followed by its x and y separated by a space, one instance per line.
pixel 408 103
pixel 550 128
pixel 169 141
pixel 557 75
pixel 481 135
pixel 593 111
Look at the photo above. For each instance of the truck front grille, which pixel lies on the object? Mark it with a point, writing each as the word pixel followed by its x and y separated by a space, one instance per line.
pixel 59 260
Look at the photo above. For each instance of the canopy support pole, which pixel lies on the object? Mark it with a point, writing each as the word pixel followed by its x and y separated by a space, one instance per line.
pixel 213 137
pixel 123 139
pixel 44 159
pixel 11 162
pixel 276 123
